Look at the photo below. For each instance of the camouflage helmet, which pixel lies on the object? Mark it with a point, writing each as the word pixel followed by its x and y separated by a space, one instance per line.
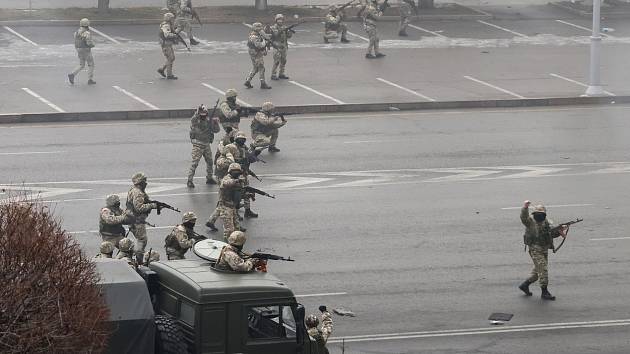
pixel 189 216
pixel 84 22
pixel 267 106
pixel 237 238
pixel 257 26
pixel 150 255
pixel 107 247
pixel 168 16
pixel 138 177
pixel 125 245
pixel 332 8
pixel 240 135
pixel 235 167
pixel 311 321
pixel 230 93
pixel 112 200
pixel 279 17
pixel 539 209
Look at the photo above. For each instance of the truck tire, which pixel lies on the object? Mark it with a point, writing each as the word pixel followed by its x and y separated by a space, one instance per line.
pixel 168 338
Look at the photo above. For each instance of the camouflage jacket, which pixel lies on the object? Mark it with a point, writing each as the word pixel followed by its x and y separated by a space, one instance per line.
pixel 202 130
pixel 264 123
pixel 538 233
pixel 280 36
pixel 371 15
pixel 168 37
pixel 111 222
pixel 178 241
pixel 230 191
pixel 230 259
pixel 257 44
pixel 229 115
pixel 332 21
pixel 137 203
pixel 83 39
pixel 321 335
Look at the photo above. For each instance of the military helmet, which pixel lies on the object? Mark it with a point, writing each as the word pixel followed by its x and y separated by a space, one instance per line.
pixel 107 247
pixel 202 110
pixel 189 216
pixel 237 238
pixel 150 255
pixel 230 93
pixel 125 245
pixel 332 7
pixel 257 26
pixel 84 22
pixel 279 17
pixel 168 16
pixel 539 209
pixel 240 135
pixel 138 177
pixel 234 167
pixel 112 200
pixel 311 321
pixel 267 106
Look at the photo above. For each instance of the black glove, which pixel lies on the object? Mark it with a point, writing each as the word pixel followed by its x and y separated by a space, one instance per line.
pixel 323 308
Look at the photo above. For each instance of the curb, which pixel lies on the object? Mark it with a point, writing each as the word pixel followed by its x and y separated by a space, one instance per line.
pixel 313 109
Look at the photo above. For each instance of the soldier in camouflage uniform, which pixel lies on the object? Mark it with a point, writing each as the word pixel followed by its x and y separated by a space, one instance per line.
pixel 223 160
pixel 240 153
pixel 231 255
pixel 84 44
pixel 181 238
pixel 539 239
pixel 202 129
pixel 168 38
pixel 257 44
pixel 405 9
pixel 138 205
pixel 320 335
pixel 265 127
pixel 333 26
pixel 230 195
pixel 126 251
pixel 370 15
pixel 112 219
pixel 230 111
pixel 106 250
pixel 173 6
pixel 280 42
pixel 185 18
pixel 150 256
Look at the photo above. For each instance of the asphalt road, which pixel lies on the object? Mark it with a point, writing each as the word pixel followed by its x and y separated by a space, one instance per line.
pixel 543 53
pixel 408 219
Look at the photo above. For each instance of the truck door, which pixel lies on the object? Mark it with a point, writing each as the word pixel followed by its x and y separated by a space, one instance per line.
pixel 269 328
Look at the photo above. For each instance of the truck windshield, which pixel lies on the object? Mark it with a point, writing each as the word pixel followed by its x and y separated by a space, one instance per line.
pixel 272 321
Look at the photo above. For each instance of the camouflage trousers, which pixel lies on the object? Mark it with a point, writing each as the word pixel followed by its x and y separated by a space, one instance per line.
pixel 258 67
pixel 229 217
pixel 199 150
pixel 169 54
pixel 265 140
pixel 139 231
pixel 332 32
pixel 373 36
pixel 114 239
pixel 185 25
pixel 85 56
pixel 215 215
pixel 404 22
pixel 279 60
pixel 540 258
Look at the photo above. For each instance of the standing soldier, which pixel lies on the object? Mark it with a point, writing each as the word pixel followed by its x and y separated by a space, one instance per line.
pixel 230 111
pixel 168 38
pixel 265 127
pixel 257 44
pixel 239 151
pixel 333 25
pixel 138 204
pixel 184 19
pixel 181 238
pixel 405 8
pixel 280 42
pixel 320 335
pixel 111 221
pixel 539 235
pixel 202 129
pixel 173 6
pixel 370 16
pixel 106 250
pixel 230 192
pixel 84 44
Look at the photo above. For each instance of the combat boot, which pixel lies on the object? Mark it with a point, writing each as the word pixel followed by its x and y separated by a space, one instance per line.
pixel 283 76
pixel 345 40
pixel 403 34
pixel 171 77
pixel 369 56
pixel 161 72
pixel 248 84
pixel 250 214
pixel 525 287
pixel 210 180
pixel 190 184
pixel 274 77
pixel 91 82
pixel 546 295
pixel 379 55
pixel 273 148
pixel 193 41
pixel 71 78
pixel 211 226
pixel 264 86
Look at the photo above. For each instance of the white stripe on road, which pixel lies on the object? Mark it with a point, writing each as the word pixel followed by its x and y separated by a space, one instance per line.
pixel 50 104
pixel 316 92
pixel 582 28
pixel 96 231
pixel 552 206
pixel 368 141
pixel 494 87
pixel 481 331
pixel 406 89
pixel 28 66
pixel 321 294
pixel 20 36
pixel 241 102
pixel 502 28
pixel 104 35
pixel 610 239
pixel 135 97
pixel 427 31
pixel 577 82
pixel 356 35
pixel 31 153
pixel 247 25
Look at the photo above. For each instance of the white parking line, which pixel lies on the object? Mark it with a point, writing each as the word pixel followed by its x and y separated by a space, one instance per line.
pixel 356 35
pixel 31 153
pixel 321 294
pixel 20 36
pixel 50 104
pixel 501 28
pixel 427 31
pixel 316 92
pixel 610 239
pixel 241 102
pixel 406 89
pixel 135 97
pixel 95 231
pixel 494 87
pixel 577 82
pixel 104 35
pixel 552 206
pixel 582 28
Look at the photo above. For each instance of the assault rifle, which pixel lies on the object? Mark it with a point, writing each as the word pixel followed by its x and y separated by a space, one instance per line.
pixel 246 111
pixel 195 16
pixel 251 173
pixel 198 237
pixel 162 205
pixel 268 256
pixel 560 226
pixel 290 28
pixel 258 191
pixel 340 8
pixel 214 110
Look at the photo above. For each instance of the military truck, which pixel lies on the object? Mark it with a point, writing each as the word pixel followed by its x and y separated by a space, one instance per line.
pixel 198 309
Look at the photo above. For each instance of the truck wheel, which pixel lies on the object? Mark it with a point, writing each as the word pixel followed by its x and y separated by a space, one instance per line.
pixel 168 338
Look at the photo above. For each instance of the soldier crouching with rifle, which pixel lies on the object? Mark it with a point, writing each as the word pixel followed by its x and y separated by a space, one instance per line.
pixel 182 237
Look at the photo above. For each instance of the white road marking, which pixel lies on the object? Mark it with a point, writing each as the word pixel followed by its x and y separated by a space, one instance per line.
pixel 31 153
pixel 297 181
pixel 96 231
pixel 28 66
pixel 316 92
pixel 241 102
pixel 494 87
pixel 427 31
pixel 576 82
pixel 247 25
pixel 356 35
pixel 104 35
pixel 135 97
pixel 553 206
pixel 610 239
pixel 42 192
pixel 582 28
pixel 406 89
pixel 321 294
pixel 502 28
pixel 20 36
pixel 47 102
pixel 480 331
pixel 368 141
pixel 462 174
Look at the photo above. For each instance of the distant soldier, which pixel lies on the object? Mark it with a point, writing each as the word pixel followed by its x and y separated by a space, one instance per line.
pixel 84 44
pixel 202 129
pixel 265 127
pixel 126 251
pixel 112 219
pixel 173 6
pixel 320 335
pixel 333 26
pixel 231 256
pixel 280 35
pixel 230 111
pixel 168 38
pixel 181 239
pixel 184 19
pixel 238 149
pixel 370 15
pixel 150 256
pixel 106 250
pixel 539 239
pixel 405 8
pixel 257 44
pixel 139 206
pixel 230 197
